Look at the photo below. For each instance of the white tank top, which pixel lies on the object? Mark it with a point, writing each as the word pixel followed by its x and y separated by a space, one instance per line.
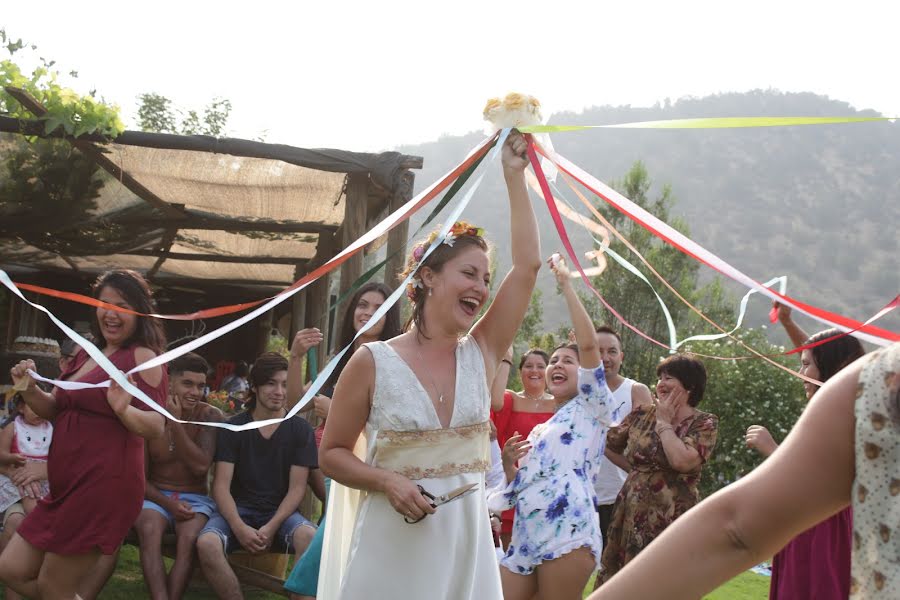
pixel 609 478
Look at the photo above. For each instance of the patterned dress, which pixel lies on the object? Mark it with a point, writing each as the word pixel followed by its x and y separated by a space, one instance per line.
pixel 509 421
pixel 553 492
pixel 654 494
pixel 875 571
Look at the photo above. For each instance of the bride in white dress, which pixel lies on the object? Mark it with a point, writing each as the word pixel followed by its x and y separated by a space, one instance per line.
pixel 423 400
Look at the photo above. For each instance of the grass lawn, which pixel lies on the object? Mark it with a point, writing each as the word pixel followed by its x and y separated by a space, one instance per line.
pixel 746 586
pixel 127 584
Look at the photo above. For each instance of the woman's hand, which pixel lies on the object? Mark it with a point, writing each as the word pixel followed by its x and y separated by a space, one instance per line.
pixel 22 381
pixel 17 461
pixel 666 408
pixel 28 471
pixel 784 312
pixel 560 270
pixel 515 157
pixel 759 438
pixel 515 448
pixel 322 405
pixel 304 340
pixel 118 398
pixel 405 497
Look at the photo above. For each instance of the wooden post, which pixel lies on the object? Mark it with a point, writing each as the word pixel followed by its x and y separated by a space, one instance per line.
pixel 298 307
pixel 354 226
pixel 317 294
pixel 264 328
pixel 402 193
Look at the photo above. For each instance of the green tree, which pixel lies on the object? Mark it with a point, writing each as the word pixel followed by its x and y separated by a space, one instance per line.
pixel 634 300
pixel 158 114
pixel 743 393
pixel 76 114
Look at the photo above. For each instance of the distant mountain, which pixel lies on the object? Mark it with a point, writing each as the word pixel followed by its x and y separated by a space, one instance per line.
pixel 819 204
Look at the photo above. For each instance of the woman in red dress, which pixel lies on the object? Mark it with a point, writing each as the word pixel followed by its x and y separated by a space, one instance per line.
pixel 515 414
pixel 96 461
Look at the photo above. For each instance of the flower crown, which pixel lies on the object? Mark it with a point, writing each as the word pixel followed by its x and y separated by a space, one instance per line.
pixel 459 229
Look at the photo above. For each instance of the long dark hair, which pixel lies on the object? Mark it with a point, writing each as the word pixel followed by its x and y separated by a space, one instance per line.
pixel 135 291
pixel 347 332
pixel 833 356
pixel 436 261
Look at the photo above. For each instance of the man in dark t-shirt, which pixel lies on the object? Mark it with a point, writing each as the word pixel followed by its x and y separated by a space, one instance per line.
pixel 260 480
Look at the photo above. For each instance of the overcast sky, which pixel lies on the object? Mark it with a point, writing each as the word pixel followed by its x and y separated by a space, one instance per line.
pixel 371 75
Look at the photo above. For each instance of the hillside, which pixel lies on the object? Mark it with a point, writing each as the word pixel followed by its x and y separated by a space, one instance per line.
pixel 818 204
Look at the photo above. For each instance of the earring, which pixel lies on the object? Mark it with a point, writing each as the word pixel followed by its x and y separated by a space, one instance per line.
pixel 430 290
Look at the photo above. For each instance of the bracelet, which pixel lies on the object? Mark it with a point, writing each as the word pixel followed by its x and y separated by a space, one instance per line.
pixel 663 429
pixel 507 361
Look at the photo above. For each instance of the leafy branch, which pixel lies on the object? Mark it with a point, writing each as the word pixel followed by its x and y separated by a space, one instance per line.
pixel 74 113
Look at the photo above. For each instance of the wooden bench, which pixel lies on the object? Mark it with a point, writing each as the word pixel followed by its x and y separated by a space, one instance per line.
pixel 265 571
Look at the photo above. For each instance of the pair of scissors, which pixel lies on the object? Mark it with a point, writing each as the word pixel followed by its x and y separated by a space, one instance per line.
pixel 443 499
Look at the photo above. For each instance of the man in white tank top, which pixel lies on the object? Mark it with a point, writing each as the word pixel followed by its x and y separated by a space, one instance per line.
pixel 628 392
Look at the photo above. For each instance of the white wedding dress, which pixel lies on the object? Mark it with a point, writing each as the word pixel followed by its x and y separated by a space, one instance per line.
pixel 448 555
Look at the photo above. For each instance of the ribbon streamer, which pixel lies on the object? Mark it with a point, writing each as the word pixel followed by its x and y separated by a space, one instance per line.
pixel 875 335
pixel 708 123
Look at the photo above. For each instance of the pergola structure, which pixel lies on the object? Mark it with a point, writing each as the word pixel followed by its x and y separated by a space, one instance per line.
pixel 235 220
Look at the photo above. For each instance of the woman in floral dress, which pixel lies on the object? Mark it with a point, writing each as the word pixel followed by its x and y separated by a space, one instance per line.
pixel 663 447
pixel 556 540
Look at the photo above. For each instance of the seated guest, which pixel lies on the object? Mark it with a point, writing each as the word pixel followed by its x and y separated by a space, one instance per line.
pixel 260 480
pixel 177 466
pixel 24 446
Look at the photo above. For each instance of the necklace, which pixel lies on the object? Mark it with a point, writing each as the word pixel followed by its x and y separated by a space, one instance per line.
pixel 434 386
pixel 536 399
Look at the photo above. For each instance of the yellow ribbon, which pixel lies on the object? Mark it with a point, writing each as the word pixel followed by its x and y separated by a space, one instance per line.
pixel 708 123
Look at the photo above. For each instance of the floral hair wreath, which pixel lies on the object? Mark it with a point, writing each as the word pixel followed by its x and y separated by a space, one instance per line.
pixel 460 228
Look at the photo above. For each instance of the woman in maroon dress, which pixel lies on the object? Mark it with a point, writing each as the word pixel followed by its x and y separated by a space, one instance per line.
pixel 815 565
pixel 96 461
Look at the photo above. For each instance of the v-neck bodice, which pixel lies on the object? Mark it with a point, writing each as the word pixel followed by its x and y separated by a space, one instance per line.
pixel 401 402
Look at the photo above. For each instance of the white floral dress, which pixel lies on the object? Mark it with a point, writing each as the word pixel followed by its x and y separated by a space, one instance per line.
pixel 553 492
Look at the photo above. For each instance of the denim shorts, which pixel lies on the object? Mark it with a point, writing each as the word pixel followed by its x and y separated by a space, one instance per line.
pixel 256 519
pixel 200 504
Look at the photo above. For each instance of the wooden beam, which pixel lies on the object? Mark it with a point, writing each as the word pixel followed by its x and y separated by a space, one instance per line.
pixel 208 222
pixel 222 258
pixel 321 159
pixel 397 237
pixel 164 247
pixel 101 159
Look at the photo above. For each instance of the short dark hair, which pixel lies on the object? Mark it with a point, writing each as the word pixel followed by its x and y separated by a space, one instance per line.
pixel 191 362
pixel 537 352
pixel 263 369
pixel 833 356
pixel 607 329
pixel 689 371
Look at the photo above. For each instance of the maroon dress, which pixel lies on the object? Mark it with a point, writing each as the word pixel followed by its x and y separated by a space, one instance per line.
pixel 95 467
pixel 815 565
